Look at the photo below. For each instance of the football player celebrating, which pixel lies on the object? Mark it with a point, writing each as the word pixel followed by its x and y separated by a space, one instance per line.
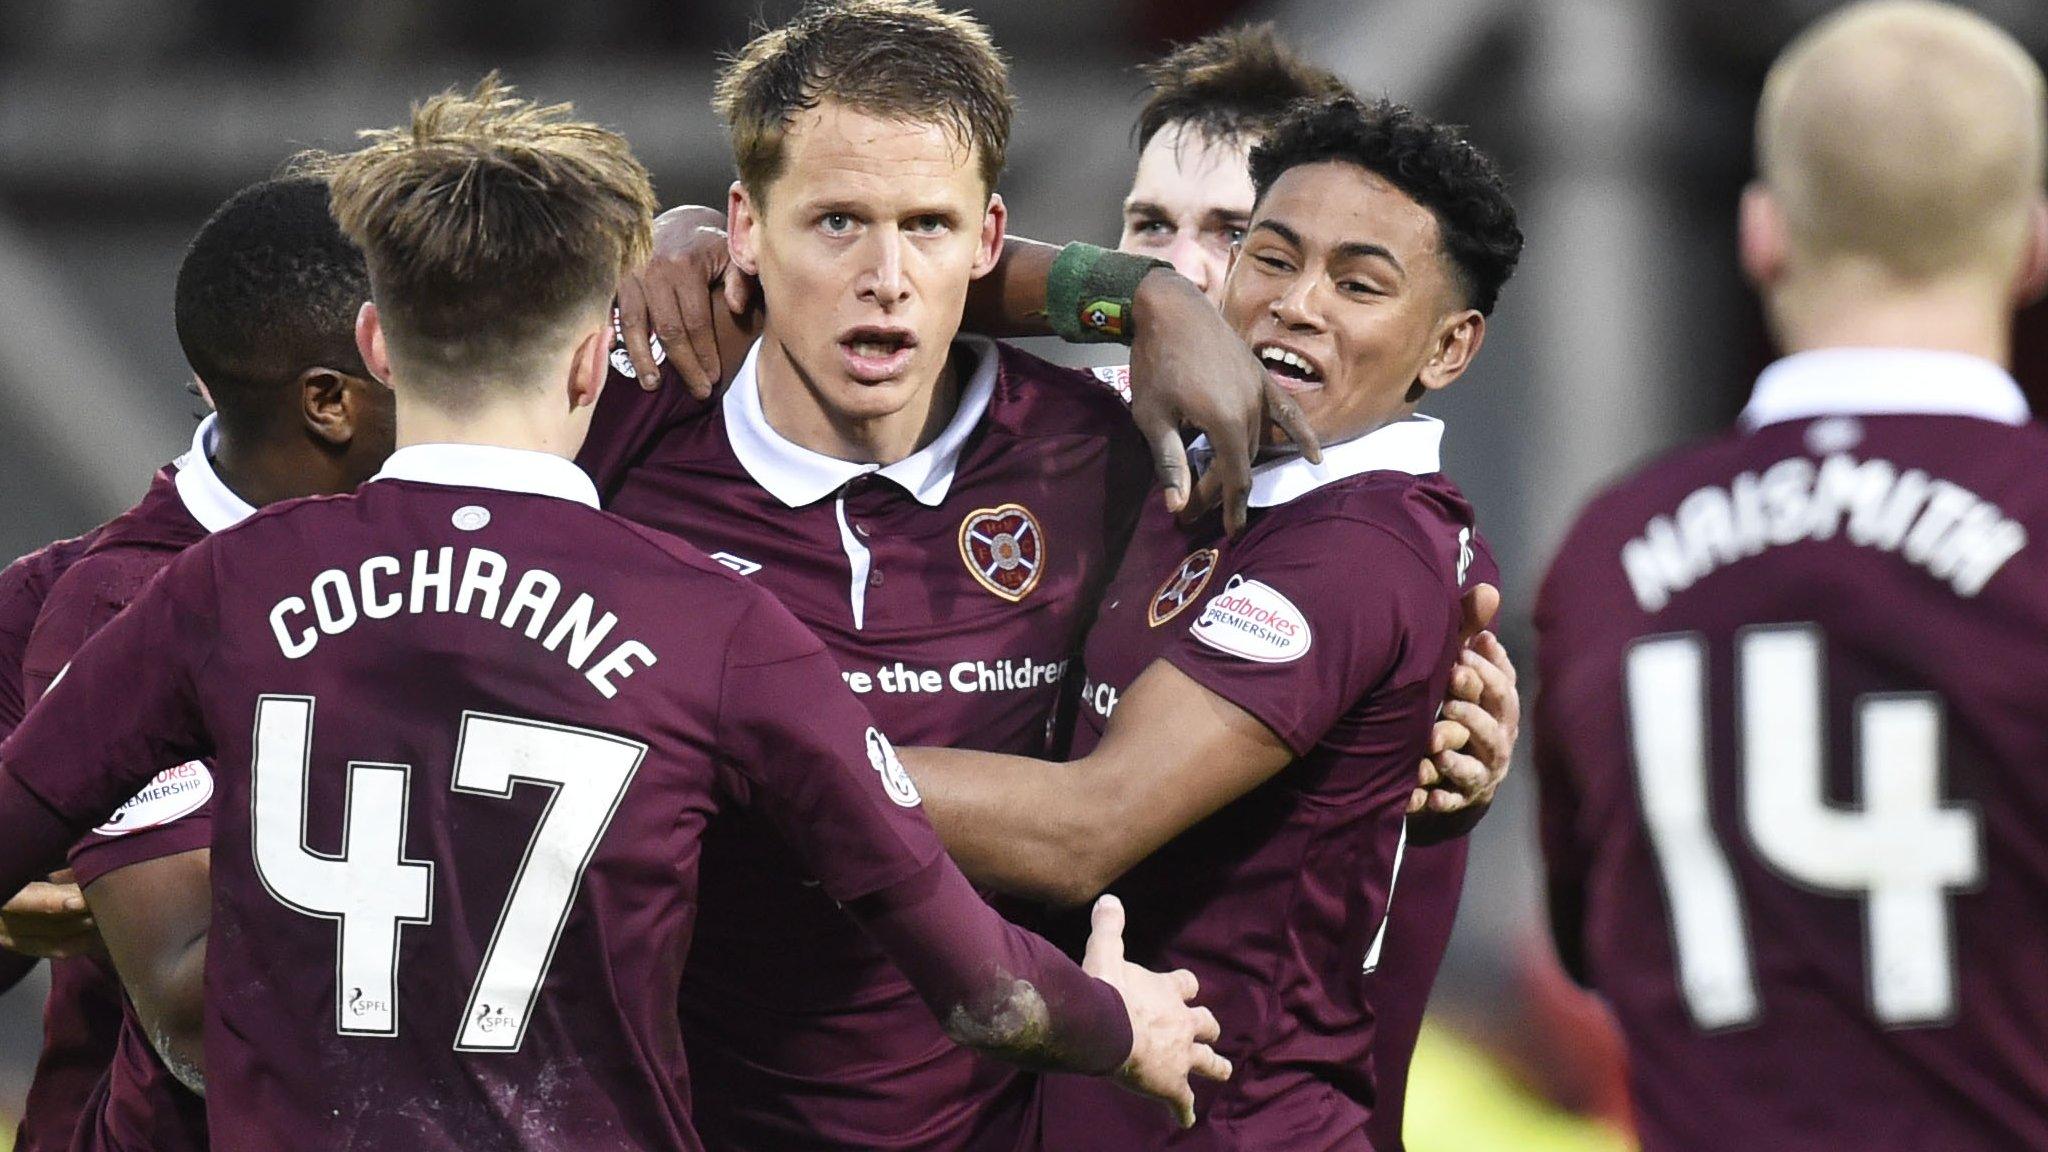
pixel 1256 706
pixel 1189 203
pixel 1790 733
pixel 265 312
pixel 546 739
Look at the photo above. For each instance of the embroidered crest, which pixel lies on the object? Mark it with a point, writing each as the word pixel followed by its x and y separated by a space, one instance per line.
pixel 1004 548
pixel 1182 587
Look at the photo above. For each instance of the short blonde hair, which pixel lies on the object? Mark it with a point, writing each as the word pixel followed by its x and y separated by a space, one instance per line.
pixel 1908 133
pixel 489 223
pixel 896 59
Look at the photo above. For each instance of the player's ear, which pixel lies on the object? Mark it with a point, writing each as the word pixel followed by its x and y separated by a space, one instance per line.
pixel 1458 337
pixel 995 224
pixel 2033 281
pixel 328 406
pixel 591 364
pixel 742 221
pixel 370 342
pixel 1761 236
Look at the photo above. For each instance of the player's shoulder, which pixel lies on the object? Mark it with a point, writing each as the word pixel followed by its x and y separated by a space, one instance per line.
pixel 1035 398
pixel 25 584
pixel 1427 514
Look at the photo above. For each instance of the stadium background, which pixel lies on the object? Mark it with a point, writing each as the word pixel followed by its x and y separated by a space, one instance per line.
pixel 1625 125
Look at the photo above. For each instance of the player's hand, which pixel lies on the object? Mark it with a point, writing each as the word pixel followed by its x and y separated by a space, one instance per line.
pixel 1189 369
pixel 673 293
pixel 49 920
pixel 1170 1034
pixel 1472 744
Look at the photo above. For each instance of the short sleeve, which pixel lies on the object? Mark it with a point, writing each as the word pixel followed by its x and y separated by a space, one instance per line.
pixel 172 814
pixel 1310 619
pixel 126 707
pixel 803 752
pixel 629 418
pixel 19 603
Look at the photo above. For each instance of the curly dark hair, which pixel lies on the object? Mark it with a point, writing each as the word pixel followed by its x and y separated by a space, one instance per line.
pixel 1430 162
pixel 269 288
pixel 1231 86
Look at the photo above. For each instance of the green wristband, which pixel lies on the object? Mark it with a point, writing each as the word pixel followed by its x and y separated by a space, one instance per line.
pixel 1089 291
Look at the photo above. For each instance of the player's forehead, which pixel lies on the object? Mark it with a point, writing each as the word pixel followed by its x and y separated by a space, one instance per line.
pixel 1335 207
pixel 1190 173
pixel 838 151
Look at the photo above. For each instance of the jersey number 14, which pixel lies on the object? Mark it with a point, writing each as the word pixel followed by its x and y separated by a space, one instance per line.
pixel 372 889
pixel 1903 852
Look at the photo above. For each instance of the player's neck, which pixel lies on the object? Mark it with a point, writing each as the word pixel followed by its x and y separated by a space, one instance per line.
pixel 262 472
pixel 1947 318
pixel 534 427
pixel 794 407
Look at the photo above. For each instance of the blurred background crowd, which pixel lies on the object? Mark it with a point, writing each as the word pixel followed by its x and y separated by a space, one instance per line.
pixel 1624 125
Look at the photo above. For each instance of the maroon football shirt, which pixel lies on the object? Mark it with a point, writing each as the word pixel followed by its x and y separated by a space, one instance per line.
pixel 1791 747
pixel 1334 620
pixel 75 1049
pixel 469 730
pixel 952 588
pixel 137 1106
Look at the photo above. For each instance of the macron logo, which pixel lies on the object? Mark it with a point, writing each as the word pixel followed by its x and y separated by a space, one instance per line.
pixel 739 564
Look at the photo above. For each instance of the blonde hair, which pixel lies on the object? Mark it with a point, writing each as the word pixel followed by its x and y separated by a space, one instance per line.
pixel 897 59
pixel 489 223
pixel 1906 133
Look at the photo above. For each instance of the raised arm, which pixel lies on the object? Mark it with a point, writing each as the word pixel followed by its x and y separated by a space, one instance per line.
pixel 1188 369
pixel 801 750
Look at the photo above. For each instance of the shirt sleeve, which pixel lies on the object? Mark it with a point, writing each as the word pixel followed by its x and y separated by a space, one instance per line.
pixel 629 418
pixel 172 814
pixel 1307 622
pixel 125 709
pixel 805 753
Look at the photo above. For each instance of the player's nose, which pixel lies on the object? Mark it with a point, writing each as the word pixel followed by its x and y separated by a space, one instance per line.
pixel 885 279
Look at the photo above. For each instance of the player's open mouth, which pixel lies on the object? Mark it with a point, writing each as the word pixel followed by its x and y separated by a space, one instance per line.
pixel 1292 370
pixel 874 354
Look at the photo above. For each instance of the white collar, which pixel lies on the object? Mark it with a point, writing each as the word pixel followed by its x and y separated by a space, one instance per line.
pixel 1412 445
pixel 798 476
pixel 1884 382
pixel 200 488
pixel 490 466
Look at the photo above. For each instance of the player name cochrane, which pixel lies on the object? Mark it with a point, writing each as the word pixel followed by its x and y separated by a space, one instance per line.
pixel 382 587
pixel 1958 537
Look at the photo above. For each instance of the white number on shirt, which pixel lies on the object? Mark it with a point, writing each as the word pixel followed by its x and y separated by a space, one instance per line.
pixel 372 890
pixel 1902 852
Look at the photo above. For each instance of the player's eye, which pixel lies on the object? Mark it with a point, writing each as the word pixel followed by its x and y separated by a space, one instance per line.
pixel 1272 263
pixel 836 223
pixel 1153 229
pixel 930 224
pixel 1234 234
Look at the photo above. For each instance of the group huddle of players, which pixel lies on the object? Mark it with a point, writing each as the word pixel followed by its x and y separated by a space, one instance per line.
pixel 506 729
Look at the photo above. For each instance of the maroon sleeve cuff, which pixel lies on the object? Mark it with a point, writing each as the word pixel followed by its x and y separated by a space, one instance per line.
pixel 97 855
pixel 35 835
pixel 967 963
pixel 1267 708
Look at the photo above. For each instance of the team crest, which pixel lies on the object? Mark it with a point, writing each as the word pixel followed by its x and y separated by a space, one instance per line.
pixel 1004 548
pixel 1182 587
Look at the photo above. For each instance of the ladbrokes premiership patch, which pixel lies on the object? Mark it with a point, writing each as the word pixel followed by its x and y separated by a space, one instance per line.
pixel 172 794
pixel 1004 548
pixel 1255 621
pixel 1182 587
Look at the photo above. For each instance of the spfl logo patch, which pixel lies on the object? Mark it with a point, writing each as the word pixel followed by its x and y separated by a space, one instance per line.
pixel 896 781
pixel 1182 587
pixel 172 794
pixel 621 362
pixel 1004 548
pixel 1255 621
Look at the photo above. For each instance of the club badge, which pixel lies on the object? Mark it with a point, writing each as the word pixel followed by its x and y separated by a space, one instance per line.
pixel 1004 548
pixel 1182 587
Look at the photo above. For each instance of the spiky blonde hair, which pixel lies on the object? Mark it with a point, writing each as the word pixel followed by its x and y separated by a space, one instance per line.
pixel 489 222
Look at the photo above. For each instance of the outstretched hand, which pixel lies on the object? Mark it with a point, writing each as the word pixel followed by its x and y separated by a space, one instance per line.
pixel 1170 1034
pixel 1189 369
